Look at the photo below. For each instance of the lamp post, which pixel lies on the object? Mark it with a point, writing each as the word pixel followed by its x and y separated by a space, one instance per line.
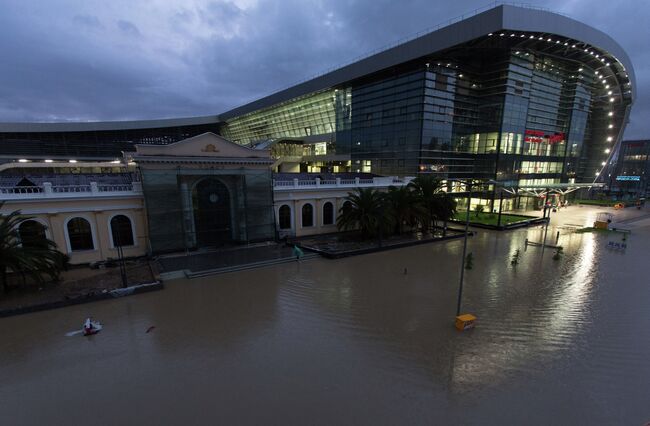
pixel 462 261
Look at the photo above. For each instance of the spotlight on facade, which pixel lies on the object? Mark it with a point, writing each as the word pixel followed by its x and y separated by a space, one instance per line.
pixel 72 161
pixel 23 160
pixel 607 151
pixel 48 161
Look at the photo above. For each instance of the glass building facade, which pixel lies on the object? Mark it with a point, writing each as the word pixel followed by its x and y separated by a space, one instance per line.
pixel 506 107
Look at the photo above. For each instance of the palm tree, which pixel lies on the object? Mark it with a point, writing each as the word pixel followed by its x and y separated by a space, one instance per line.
pixel 435 203
pixel 366 212
pixel 42 262
pixel 404 208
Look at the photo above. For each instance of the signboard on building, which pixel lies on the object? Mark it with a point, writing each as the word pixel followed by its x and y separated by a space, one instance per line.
pixel 538 136
pixel 628 178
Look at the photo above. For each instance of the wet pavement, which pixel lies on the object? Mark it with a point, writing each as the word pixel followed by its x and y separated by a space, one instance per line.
pixel 228 258
pixel 359 341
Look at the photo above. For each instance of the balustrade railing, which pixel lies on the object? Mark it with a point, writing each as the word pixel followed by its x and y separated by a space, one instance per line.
pixel 46 189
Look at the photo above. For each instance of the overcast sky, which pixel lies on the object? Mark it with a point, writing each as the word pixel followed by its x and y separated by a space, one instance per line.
pixel 81 60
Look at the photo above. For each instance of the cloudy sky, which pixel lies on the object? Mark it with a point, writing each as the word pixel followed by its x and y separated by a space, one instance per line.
pixel 86 60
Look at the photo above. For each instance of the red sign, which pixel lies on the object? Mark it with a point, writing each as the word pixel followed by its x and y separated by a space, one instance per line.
pixel 538 136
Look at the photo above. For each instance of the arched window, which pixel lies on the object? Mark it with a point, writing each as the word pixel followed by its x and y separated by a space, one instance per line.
pixel 121 231
pixel 284 217
pixel 307 215
pixel 32 234
pixel 328 213
pixel 80 235
pixel 346 206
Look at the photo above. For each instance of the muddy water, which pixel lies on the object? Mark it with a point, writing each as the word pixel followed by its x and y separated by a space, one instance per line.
pixel 356 341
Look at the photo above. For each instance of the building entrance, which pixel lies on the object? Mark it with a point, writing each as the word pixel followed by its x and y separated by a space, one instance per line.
pixel 212 221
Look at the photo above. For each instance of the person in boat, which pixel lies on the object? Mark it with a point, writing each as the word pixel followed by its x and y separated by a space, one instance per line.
pixel 89 328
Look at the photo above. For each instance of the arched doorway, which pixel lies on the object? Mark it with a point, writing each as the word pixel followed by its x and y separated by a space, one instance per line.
pixel 211 203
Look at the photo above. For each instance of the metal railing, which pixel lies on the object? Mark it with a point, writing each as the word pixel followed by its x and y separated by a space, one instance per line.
pixel 47 190
pixel 379 182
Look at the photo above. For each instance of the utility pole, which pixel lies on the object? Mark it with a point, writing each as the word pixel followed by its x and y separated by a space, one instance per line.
pixel 462 262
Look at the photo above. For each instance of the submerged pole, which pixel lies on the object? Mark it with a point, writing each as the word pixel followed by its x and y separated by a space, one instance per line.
pixel 462 261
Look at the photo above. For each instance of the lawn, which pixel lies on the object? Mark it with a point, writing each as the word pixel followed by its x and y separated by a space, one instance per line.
pixel 491 218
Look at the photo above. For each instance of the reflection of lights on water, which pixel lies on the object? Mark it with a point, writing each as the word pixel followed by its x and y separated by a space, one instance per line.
pixel 548 324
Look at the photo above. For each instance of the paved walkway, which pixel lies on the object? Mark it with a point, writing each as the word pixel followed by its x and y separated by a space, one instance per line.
pixel 231 258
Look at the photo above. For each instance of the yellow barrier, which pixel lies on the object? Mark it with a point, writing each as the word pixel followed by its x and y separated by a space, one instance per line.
pixel 465 321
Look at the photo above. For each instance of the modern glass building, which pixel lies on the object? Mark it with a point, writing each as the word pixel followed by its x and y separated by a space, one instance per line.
pixel 513 94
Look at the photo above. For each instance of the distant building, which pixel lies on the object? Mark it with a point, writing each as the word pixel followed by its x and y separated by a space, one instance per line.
pixel 628 177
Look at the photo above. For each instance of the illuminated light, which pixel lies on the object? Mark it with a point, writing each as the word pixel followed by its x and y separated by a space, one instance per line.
pixel 586 50
pixel 573 45
pixel 517 52
pixel 522 36
pixel 607 64
pixel 611 99
pixel 490 35
pixel 541 38
pixel 610 113
pixel 597 173
pixel 448 65
pixel 579 69
pixel 532 36
pixel 23 160
pixel 501 35
pixel 609 138
pixel 512 35
pixel 460 76
pixel 548 39
pixel 604 163
pixel 566 44
pixel 611 126
pixel 607 151
pixel 607 86
pixel 557 41
pixel 48 161
pixel 610 92
pixel 72 161
pixel 115 162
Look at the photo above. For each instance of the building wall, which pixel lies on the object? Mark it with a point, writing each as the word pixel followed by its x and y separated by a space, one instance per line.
pixel 55 214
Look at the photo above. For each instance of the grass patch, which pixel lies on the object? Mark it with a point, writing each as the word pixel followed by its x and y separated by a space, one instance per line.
pixel 491 218
pixel 607 203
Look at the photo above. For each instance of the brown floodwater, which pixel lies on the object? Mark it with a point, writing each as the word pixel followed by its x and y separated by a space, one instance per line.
pixel 357 341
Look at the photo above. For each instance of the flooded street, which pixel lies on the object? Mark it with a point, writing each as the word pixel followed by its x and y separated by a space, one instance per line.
pixel 358 341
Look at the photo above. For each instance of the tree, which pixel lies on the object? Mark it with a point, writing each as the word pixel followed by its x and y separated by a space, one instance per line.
pixel 367 212
pixel 479 209
pixel 42 262
pixel 435 203
pixel 403 207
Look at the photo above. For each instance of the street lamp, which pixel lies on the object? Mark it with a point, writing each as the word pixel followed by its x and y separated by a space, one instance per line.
pixel 464 321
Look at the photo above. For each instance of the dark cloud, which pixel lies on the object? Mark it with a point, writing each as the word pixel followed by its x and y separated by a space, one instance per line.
pixel 128 28
pixel 205 57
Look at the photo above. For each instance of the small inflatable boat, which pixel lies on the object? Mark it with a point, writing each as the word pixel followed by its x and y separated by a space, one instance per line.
pixel 91 327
